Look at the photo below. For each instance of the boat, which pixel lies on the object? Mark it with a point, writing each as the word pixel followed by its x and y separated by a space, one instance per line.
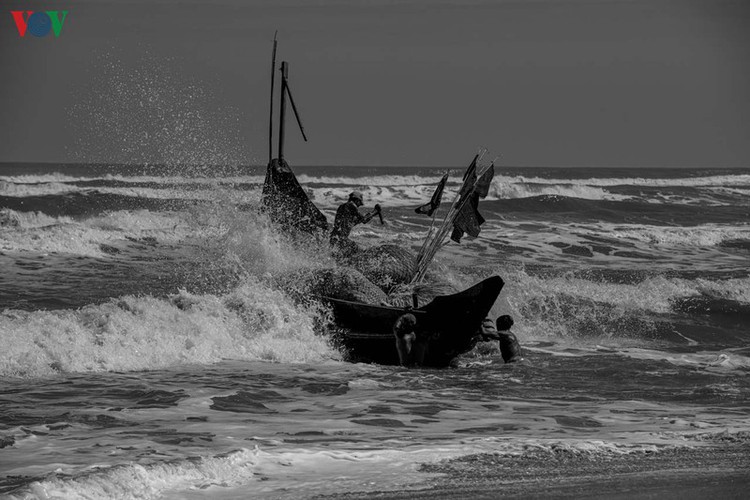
pixel 450 322
pixel 365 331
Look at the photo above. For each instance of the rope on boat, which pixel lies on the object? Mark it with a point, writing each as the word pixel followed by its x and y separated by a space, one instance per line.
pixel 435 239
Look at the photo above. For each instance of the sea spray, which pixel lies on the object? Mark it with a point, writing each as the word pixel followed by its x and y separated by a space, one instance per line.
pixel 244 238
pixel 143 112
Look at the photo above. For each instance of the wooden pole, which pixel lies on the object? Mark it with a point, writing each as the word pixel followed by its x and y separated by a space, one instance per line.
pixel 282 111
pixel 273 83
pixel 296 114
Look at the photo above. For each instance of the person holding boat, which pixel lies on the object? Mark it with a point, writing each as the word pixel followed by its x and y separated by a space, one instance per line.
pixel 411 345
pixel 510 348
pixel 348 216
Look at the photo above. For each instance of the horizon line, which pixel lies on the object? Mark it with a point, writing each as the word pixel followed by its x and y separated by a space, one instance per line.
pixel 259 165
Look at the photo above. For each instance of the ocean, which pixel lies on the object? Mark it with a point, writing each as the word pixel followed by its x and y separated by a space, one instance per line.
pixel 148 352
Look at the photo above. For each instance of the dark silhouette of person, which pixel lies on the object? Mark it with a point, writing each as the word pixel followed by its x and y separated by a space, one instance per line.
pixel 410 344
pixel 348 216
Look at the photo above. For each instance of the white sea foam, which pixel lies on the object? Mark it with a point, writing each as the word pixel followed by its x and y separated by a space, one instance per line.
pixel 705 235
pixel 20 189
pixel 711 180
pixel 51 177
pixel 302 473
pixel 253 322
pixel 69 238
pixel 727 362
pixel 733 191
pixel 507 187
pixel 713 361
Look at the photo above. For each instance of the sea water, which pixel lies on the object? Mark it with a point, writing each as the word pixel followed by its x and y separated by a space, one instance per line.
pixel 148 351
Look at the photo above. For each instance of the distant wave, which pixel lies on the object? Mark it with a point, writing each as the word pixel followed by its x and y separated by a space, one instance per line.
pixel 415 188
pixel 711 180
pixel 139 189
pixel 425 176
pixel 397 190
pixel 89 203
pixel 698 236
pixel 624 211
pixel 575 307
pixel 375 180
pixel 27 220
pixel 61 178
pixel 701 235
pixel 332 195
pixel 36 232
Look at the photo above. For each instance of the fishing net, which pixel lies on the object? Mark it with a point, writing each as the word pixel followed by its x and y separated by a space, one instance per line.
pixel 339 283
pixel 386 265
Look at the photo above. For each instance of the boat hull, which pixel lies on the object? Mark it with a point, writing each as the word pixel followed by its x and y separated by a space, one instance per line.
pixel 450 322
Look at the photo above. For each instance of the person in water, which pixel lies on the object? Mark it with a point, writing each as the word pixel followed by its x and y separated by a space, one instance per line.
pixel 510 348
pixel 410 344
pixel 348 216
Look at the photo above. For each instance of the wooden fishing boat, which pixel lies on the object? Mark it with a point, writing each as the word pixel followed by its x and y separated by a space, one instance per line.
pixel 450 322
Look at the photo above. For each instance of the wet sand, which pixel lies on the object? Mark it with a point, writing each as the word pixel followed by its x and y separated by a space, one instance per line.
pixel 682 473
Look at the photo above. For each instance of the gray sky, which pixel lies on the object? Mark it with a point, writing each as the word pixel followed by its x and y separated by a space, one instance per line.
pixel 548 83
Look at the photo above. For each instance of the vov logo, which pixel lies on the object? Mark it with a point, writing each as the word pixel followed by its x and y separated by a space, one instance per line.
pixel 39 24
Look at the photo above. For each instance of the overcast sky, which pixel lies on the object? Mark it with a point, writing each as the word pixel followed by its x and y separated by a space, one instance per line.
pixel 543 83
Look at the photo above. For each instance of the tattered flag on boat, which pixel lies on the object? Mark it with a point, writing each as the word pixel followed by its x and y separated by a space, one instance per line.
pixel 429 208
pixel 468 220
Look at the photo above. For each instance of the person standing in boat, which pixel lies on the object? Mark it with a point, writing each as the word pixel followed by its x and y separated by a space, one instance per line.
pixel 348 216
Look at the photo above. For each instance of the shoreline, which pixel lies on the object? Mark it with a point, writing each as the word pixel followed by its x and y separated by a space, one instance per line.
pixel 679 473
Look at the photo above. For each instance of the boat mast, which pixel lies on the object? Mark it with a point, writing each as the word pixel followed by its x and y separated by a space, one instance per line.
pixel 273 84
pixel 282 111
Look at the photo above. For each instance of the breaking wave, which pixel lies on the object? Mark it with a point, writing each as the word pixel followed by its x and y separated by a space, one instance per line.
pixel 130 333
pixel 586 309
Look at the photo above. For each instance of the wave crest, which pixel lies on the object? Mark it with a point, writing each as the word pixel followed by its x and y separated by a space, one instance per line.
pixel 252 322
